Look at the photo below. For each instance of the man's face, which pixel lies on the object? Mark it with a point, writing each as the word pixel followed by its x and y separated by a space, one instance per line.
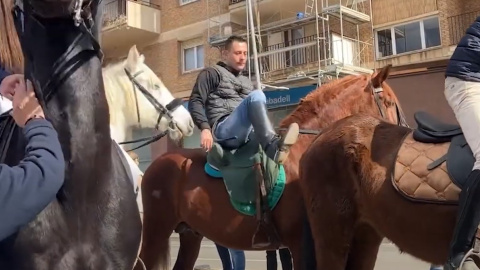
pixel 236 56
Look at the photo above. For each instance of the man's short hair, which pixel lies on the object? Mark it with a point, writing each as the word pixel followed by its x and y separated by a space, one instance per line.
pixel 231 39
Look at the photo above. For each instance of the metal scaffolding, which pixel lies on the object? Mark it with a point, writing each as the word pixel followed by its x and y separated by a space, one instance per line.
pixel 335 49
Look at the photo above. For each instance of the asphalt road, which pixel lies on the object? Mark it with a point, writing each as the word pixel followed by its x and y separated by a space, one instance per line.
pixel 389 258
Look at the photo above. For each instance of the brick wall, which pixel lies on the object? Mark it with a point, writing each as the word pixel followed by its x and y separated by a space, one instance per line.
pixel 175 15
pixel 165 59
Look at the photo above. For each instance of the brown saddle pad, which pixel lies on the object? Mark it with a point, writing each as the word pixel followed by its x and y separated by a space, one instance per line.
pixel 415 181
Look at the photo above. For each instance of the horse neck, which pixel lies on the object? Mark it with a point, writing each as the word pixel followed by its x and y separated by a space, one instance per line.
pixel 121 101
pixel 78 110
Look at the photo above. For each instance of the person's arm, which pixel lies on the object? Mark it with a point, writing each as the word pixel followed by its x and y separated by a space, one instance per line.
pixel 26 189
pixel 207 80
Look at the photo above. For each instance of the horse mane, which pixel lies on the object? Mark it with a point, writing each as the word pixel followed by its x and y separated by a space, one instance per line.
pixel 115 81
pixel 11 54
pixel 335 99
pixel 328 97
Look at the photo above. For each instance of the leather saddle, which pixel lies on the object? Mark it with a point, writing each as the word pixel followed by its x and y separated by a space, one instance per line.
pixel 459 158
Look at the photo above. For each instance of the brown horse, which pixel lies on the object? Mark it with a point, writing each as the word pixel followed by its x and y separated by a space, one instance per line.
pixel 177 192
pixel 364 179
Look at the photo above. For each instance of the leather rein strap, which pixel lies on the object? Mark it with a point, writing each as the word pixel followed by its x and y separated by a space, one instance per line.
pixel 83 43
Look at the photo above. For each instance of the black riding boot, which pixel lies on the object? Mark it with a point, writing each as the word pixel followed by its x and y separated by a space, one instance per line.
pixel 468 218
pixel 274 146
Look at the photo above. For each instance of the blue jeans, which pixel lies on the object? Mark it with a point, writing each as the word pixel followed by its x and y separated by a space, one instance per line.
pixel 232 259
pixel 235 129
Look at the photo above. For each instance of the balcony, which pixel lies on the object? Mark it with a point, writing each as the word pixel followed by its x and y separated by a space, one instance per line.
pixel 129 22
pixel 299 59
pixel 270 11
pixel 459 24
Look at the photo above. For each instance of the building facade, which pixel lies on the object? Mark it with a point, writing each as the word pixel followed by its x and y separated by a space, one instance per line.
pixel 300 43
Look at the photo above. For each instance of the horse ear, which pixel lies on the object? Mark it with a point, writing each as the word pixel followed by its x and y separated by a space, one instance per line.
pixel 381 76
pixel 133 58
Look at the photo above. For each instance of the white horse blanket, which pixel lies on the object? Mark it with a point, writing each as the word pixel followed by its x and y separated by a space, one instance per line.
pixel 6 105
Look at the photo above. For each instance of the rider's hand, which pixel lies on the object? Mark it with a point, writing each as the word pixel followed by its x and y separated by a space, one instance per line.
pixel 7 88
pixel 25 104
pixel 206 139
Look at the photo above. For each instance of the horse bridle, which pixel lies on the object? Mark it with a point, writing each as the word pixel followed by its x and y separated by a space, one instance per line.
pixel 82 47
pixel 376 95
pixel 163 111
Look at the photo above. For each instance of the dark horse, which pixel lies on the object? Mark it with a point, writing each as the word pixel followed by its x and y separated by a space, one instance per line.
pixel 364 179
pixel 177 193
pixel 94 223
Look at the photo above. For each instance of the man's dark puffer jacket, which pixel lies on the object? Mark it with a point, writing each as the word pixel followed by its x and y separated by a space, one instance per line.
pixel 465 61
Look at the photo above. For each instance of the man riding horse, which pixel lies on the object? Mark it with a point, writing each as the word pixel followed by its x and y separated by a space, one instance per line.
pixel 223 104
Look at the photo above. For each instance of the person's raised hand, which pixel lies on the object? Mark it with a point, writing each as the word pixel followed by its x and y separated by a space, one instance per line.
pixel 25 104
pixel 7 87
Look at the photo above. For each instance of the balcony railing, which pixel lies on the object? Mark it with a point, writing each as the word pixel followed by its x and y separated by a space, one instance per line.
pixel 115 11
pixel 459 24
pixel 291 58
pixel 355 53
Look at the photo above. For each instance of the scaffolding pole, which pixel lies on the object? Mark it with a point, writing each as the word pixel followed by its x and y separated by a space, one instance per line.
pixel 319 79
pixel 248 46
pixel 254 44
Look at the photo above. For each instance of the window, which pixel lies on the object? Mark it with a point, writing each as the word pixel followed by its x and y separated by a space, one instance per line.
pixel 193 58
pixel 184 2
pixel 404 38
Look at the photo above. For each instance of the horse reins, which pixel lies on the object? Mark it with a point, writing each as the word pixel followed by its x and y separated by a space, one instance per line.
pixel 163 111
pixel 84 45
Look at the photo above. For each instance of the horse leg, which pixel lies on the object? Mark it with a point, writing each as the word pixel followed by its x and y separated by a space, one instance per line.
pixel 295 250
pixel 364 250
pixel 190 243
pixel 332 218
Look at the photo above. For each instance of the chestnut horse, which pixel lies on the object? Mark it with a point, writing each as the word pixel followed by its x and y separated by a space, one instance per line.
pixel 364 179
pixel 178 193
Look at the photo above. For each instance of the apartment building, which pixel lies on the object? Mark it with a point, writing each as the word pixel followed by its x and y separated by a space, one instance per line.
pixel 300 44
pixel 417 38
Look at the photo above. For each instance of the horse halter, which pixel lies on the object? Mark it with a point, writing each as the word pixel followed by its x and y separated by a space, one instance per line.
pixel 163 111
pixel 376 95
pixel 81 47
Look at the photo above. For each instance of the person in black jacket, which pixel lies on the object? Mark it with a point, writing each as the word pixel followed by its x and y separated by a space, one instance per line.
pixel 462 91
pixel 223 104
pixel 26 189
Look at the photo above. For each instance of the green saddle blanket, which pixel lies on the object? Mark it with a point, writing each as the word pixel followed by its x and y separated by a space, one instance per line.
pixel 237 168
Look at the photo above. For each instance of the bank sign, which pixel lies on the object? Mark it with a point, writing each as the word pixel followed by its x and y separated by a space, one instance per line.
pixel 282 98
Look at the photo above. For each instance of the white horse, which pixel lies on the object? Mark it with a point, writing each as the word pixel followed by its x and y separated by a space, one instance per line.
pixel 124 99
pixel 129 107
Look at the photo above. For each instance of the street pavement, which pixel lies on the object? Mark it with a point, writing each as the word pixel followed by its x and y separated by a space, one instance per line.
pixel 389 258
